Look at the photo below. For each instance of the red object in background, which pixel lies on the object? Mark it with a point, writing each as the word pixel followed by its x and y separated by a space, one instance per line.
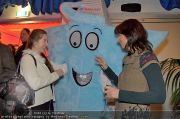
pixel 10 33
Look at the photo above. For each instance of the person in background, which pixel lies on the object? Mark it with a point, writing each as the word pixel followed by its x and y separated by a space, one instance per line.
pixel 8 104
pixel 12 48
pixel 141 82
pixel 36 72
pixel 24 35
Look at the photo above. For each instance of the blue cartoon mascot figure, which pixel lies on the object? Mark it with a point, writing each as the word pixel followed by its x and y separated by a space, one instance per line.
pixel 76 44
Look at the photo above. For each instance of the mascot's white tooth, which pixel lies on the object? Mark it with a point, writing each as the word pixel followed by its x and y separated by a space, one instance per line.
pixel 83 76
pixel 82 79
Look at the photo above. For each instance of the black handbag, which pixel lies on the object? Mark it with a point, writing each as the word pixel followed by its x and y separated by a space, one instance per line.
pixel 19 88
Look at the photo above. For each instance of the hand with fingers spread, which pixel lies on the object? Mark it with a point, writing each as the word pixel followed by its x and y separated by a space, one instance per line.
pixel 111 93
pixel 101 62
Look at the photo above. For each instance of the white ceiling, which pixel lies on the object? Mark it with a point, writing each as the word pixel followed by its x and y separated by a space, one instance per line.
pixel 151 11
pixel 146 6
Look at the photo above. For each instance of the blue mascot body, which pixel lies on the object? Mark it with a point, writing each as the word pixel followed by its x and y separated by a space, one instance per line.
pixel 76 44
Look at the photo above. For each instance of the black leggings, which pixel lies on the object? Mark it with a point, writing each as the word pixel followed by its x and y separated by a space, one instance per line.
pixel 43 110
pixel 48 106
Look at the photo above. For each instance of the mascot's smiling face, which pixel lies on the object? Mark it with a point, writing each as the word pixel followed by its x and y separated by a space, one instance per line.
pixel 84 42
pixel 88 42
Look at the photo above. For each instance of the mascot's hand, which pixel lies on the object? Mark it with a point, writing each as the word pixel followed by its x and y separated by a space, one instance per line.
pixel 101 62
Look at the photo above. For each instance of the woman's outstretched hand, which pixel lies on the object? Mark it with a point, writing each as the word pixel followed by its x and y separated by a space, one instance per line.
pixel 101 62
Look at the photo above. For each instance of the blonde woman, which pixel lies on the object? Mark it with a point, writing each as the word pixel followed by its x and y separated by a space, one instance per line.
pixel 37 73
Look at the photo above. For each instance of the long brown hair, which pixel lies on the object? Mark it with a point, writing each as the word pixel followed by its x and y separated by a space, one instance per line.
pixel 47 63
pixel 26 29
pixel 35 36
pixel 136 35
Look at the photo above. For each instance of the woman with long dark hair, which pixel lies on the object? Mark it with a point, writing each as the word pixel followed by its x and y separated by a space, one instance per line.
pixel 24 35
pixel 140 83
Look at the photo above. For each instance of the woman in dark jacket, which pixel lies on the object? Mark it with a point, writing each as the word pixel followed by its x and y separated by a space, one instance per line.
pixel 7 69
pixel 8 104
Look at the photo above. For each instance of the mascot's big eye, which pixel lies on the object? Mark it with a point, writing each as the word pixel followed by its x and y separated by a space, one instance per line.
pixel 92 41
pixel 75 39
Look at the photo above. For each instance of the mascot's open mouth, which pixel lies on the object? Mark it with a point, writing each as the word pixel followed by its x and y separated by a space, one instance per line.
pixel 82 79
